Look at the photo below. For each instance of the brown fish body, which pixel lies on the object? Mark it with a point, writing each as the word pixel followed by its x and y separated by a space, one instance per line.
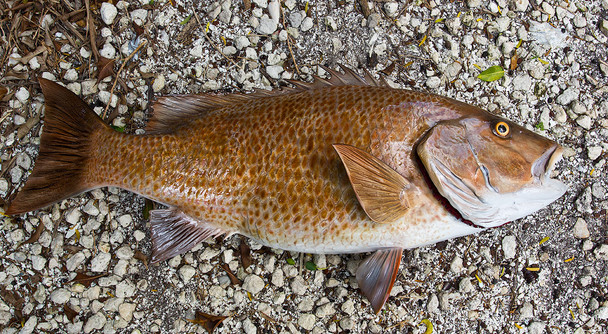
pixel 337 166
pixel 266 168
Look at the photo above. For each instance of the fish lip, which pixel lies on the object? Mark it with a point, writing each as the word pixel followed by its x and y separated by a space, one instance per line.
pixel 543 166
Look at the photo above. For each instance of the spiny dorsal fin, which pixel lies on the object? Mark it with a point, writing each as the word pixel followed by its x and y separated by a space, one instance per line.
pixel 380 190
pixel 172 111
pixel 174 233
pixel 376 275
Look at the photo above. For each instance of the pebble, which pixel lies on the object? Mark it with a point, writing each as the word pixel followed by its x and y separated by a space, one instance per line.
pixel 253 284
pixel 601 313
pixel 96 321
pixel 583 202
pixel 522 83
pixel 432 305
pixel 186 272
pixel 580 229
pixel 108 13
pixel 274 71
pixel 90 208
pixel 584 121
pixel 296 18
pixel 159 83
pixel 601 252
pixel 594 152
pixel 307 321
pixel 16 174
pixel 249 327
pixel 433 82
pixel 73 216
pixel 598 191
pixel 299 286
pixel 29 325
pixel 75 261
pixel 60 296
pixel 569 95
pixel 465 285
pixel 267 25
pixel 277 278
pixel 521 5
pixel 124 253
pixel 125 220
pixel 391 8
pixel 22 94
pixel 24 161
pixel 526 311
pixel 241 42
pixel 139 16
pixel 536 328
pixel 108 51
pixel 38 262
pixel 325 310
pixel 126 311
pixel 100 262
pixel 509 245
pixel 307 24
pixel 125 289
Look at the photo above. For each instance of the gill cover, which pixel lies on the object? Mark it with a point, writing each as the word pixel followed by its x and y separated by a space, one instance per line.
pixel 491 170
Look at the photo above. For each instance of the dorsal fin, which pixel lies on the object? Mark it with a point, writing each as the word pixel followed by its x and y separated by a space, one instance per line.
pixel 172 111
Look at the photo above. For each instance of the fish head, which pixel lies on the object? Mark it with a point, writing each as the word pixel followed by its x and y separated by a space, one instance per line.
pixel 491 170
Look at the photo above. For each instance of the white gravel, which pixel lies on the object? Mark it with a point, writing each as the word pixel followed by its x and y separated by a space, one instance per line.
pixel 487 282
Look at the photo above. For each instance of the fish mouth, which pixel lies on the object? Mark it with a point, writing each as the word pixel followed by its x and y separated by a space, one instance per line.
pixel 543 166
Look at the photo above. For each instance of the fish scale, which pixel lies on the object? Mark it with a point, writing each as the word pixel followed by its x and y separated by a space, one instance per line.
pixel 343 165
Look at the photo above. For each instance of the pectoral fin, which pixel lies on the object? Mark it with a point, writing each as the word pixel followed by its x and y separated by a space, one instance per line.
pixel 380 190
pixel 174 233
pixel 376 275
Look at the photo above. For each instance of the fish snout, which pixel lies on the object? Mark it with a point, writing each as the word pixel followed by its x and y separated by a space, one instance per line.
pixel 544 165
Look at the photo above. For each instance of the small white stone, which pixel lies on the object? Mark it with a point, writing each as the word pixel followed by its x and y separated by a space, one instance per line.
pixel 24 161
pixel 509 246
pixel 580 229
pixel 391 8
pixel 90 208
pixel 521 5
pixel 22 95
pixel 107 51
pixel 241 42
pixel 325 310
pixel 229 50
pixel 126 311
pixel 73 216
pixel 125 220
pixel 568 96
pixel 38 262
pixel 594 152
pixel 536 327
pixel 253 284
pixel 584 121
pixel 432 306
pixel 124 253
pixel 267 26
pixel 249 327
pixel 197 51
pixel 601 313
pixel 60 296
pixel 274 71
pixel 159 83
pixel 29 325
pixel 274 10
pixel 100 262
pixel 96 321
pixel 307 321
pixel 307 24
pixel 139 16
pixel 75 261
pixel 433 82
pixel 601 252
pixel 186 273
pixel 522 83
pixel 125 289
pixel 34 64
pixel 108 12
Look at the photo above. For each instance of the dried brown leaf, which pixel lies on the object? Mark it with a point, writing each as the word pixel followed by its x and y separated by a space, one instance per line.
pixel 247 5
pixel 71 314
pixel 233 278
pixel 139 30
pixel 207 321
pixel 85 279
pixel 245 252
pixel 514 62
pixel 3 92
pixel 141 257
pixel 105 67
pixel 35 236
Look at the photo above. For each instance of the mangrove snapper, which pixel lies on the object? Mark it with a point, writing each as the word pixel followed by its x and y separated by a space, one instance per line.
pixel 343 165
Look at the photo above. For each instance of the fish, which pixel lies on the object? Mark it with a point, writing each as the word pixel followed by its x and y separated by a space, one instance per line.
pixel 339 165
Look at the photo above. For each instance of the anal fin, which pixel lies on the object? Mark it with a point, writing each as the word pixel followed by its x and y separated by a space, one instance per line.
pixel 376 275
pixel 174 233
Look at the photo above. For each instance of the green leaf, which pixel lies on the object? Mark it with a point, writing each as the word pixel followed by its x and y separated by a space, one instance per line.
pixel 186 20
pixel 291 261
pixel 311 265
pixel 118 128
pixel 540 126
pixel 492 74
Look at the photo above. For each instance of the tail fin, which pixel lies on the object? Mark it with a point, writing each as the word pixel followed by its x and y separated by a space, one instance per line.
pixel 59 171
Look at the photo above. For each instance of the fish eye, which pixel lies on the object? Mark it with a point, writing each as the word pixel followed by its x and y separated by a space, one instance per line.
pixel 502 129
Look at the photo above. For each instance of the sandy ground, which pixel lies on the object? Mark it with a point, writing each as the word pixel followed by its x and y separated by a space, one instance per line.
pixel 81 265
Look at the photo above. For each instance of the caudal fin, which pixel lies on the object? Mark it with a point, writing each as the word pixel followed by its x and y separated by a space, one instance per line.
pixel 60 170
